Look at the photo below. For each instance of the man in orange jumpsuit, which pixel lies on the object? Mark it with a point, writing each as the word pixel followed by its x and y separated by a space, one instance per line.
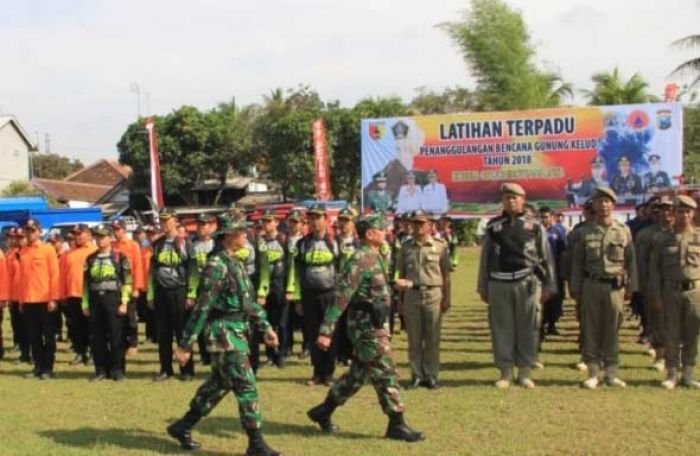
pixel 19 330
pixel 40 289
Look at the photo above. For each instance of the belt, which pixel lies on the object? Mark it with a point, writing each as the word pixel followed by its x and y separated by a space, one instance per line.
pixel 683 285
pixel 103 292
pixel 510 276
pixel 216 313
pixel 601 279
pixel 424 287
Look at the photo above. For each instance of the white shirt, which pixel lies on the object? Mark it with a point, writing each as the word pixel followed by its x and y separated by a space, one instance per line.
pixel 409 199
pixel 434 198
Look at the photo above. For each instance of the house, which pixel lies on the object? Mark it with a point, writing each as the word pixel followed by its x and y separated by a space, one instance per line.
pixel 15 147
pixel 104 184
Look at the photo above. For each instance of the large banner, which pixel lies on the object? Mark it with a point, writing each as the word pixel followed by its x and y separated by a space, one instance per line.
pixel 456 163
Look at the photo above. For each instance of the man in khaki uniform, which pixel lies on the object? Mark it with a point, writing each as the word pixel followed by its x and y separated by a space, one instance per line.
pixel 516 274
pixel 674 272
pixel 603 277
pixel 424 274
pixel 653 322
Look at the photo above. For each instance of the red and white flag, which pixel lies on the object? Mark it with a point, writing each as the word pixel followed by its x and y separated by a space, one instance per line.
pixel 322 180
pixel 156 187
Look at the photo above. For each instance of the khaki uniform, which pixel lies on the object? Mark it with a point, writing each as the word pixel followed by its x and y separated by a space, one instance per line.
pixel 655 326
pixel 516 263
pixel 603 270
pixel 425 265
pixel 674 272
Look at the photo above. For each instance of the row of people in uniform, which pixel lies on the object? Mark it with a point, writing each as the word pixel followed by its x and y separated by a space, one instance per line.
pixel 294 275
pixel 603 267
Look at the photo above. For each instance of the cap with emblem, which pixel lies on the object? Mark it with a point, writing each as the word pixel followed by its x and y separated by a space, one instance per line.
pixel 294 215
pixel 380 177
pixel 268 214
pixel 685 201
pixel 166 214
pixel 203 218
pixel 663 201
pixel 346 214
pixel 654 158
pixel 605 192
pixel 102 230
pixel 32 225
pixel 597 161
pixel 513 188
pixel 623 159
pixel 420 216
pixel 230 225
pixel 317 209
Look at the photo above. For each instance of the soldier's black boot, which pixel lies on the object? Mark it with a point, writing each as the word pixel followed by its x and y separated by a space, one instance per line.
pixel 399 430
pixel 182 430
pixel 321 414
pixel 257 445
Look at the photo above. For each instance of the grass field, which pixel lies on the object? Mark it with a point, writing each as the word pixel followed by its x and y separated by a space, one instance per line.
pixel 466 415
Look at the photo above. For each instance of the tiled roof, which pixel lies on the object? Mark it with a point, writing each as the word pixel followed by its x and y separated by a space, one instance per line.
pixel 65 191
pixel 102 172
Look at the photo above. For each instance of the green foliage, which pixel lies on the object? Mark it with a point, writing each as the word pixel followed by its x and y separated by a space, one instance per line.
pixel 54 166
pixel 19 188
pixel 465 230
pixel 610 89
pixel 495 43
pixel 691 66
pixel 451 100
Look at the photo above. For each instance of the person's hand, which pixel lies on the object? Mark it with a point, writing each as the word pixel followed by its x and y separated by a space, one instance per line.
pixel 484 298
pixel 299 309
pixel 262 300
pixel 136 294
pixel 544 297
pixel 182 356
pixel 323 343
pixel 86 312
pixel 402 284
pixel 150 305
pixel 189 304
pixel 289 297
pixel 445 305
pixel 51 306
pixel 271 339
pixel 122 309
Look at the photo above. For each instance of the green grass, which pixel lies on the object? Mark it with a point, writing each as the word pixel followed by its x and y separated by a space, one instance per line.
pixel 466 415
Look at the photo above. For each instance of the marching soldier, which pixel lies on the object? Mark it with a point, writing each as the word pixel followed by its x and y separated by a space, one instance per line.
pixel 73 275
pixel 224 310
pixel 171 267
pixel 107 291
pixel 424 275
pixel 40 290
pixel 132 251
pixel 271 285
pixel 515 276
pixel 202 246
pixel 675 274
pixel 316 262
pixel 364 292
pixel 653 322
pixel 603 277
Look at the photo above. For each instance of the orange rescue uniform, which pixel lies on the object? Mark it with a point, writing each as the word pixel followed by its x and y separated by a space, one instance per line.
pixel 73 271
pixel 39 275
pixel 131 250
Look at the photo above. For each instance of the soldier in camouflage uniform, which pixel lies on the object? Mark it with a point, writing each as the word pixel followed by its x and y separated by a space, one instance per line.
pixel 363 288
pixel 223 311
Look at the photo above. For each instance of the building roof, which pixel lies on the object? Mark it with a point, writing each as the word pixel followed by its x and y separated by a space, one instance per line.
pixel 102 172
pixel 65 191
pixel 10 119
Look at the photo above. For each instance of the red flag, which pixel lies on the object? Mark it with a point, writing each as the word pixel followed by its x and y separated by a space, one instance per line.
pixel 156 187
pixel 323 186
pixel 671 92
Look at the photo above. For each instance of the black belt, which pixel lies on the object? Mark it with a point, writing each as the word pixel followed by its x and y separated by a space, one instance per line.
pixel 216 313
pixel 424 287
pixel 601 279
pixel 683 285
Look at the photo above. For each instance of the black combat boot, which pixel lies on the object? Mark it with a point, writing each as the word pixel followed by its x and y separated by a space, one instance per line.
pixel 321 414
pixel 257 445
pixel 399 430
pixel 182 430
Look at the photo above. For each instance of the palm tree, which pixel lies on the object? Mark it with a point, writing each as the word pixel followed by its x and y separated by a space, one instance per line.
pixel 693 65
pixel 610 89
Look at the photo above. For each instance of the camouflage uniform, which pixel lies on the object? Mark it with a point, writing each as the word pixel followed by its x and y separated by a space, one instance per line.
pixel 363 285
pixel 223 310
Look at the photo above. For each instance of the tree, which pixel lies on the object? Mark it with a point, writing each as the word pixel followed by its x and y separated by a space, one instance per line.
pixel 691 66
pixel 19 188
pixel 451 100
pixel 54 166
pixel 610 89
pixel 495 43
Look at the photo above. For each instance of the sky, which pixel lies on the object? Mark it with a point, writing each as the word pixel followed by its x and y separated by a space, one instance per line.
pixel 70 66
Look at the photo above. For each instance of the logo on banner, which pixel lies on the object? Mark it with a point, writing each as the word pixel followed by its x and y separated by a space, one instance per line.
pixel 638 120
pixel 376 130
pixel 663 119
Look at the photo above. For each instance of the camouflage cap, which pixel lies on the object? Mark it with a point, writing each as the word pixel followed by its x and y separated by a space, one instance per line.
pixel 514 188
pixel 420 216
pixel 347 214
pixel 605 192
pixel 317 209
pixel 230 225
pixel 685 201
pixel 101 230
pixel 375 221
pixel 268 214
pixel 167 214
pixel 32 225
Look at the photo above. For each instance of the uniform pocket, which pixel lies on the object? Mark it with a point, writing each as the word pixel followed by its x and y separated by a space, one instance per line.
pixel 615 251
pixel 670 255
pixel 692 255
pixel 593 250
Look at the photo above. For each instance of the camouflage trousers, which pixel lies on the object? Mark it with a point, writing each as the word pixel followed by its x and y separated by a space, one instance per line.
pixel 372 361
pixel 230 371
